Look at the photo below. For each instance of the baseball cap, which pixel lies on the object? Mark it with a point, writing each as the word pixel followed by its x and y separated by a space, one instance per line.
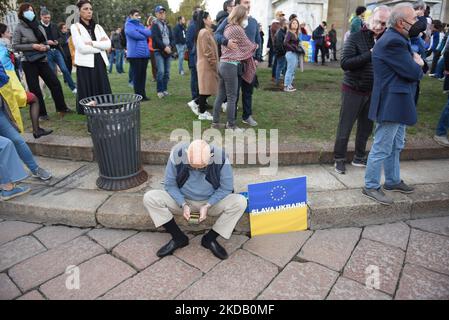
pixel 159 9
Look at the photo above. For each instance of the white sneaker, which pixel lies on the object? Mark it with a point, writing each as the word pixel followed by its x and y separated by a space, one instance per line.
pixel 224 107
pixel 166 93
pixel 160 95
pixel 195 110
pixel 193 104
pixel 75 91
pixel 289 89
pixel 205 116
pixel 441 140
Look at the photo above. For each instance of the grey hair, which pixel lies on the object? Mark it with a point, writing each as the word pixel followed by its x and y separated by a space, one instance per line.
pixel 382 8
pixel 398 13
pixel 419 5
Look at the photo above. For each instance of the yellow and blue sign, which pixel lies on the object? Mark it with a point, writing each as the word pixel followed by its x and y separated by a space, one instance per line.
pixel 278 207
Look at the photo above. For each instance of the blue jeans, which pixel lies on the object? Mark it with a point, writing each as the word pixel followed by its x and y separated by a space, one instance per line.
pixel 292 64
pixel 439 71
pixel 181 49
pixel 389 141
pixel 130 74
pixel 281 63
pixel 111 60
pixel 443 124
pixel 194 83
pixel 119 57
pixel 8 131
pixel 163 71
pixel 11 167
pixel 55 58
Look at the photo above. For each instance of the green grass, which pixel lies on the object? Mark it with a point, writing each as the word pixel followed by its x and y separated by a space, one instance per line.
pixel 310 114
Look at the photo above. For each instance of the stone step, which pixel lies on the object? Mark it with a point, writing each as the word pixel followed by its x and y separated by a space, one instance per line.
pixel 157 153
pixel 327 209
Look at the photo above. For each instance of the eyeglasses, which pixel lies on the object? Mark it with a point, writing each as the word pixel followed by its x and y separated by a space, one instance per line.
pixel 383 24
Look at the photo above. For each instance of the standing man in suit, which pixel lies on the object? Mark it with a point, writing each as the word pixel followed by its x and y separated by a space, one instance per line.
pixel 397 71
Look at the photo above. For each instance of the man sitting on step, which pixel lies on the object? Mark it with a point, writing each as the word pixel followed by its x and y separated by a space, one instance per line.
pixel 198 178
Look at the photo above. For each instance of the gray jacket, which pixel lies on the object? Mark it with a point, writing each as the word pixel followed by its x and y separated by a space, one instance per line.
pixel 24 38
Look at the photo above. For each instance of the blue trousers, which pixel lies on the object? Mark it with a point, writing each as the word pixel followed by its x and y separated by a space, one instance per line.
pixel 55 57
pixel 389 141
pixel 11 168
pixel 443 124
pixel 9 132
pixel 163 71
pixel 181 48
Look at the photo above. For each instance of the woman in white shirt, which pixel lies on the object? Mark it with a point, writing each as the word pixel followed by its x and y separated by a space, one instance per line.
pixel 91 59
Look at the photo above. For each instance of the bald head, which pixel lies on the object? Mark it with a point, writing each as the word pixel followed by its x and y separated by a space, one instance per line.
pixel 199 154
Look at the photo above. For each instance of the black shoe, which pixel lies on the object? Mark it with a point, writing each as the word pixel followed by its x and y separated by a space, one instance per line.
pixel 41 133
pixel 44 118
pixel 340 167
pixel 68 111
pixel 171 247
pixel 360 163
pixel 216 249
pixel 401 187
pixel 145 99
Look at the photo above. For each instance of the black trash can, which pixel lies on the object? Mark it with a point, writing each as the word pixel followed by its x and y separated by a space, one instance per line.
pixel 114 122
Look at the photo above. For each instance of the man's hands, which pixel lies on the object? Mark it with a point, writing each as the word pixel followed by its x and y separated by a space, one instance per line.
pixel 186 211
pixel 167 50
pixel 52 43
pixel 232 44
pixel 418 59
pixel 203 212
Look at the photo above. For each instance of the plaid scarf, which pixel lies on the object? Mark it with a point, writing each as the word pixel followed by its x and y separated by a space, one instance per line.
pixel 244 53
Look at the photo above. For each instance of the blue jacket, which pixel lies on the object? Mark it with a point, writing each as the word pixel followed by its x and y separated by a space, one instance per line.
pixel 252 32
pixel 191 45
pixel 179 34
pixel 396 75
pixel 137 39
pixel 5 58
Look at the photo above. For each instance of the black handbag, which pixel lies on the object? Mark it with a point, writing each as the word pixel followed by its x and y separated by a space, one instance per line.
pixel 34 56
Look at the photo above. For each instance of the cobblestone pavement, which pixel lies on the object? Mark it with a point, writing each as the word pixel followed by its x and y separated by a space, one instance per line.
pixel 405 260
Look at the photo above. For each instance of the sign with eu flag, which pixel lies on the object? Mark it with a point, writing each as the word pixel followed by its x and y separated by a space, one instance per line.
pixel 278 207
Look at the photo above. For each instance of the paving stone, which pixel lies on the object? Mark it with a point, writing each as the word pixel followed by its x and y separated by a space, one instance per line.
pixel 395 234
pixel 19 250
pixel 301 281
pixel 420 284
pixel 97 276
pixel 8 289
pixel 110 238
pixel 434 225
pixel 349 208
pixel 164 280
pixel 429 250
pixel 426 171
pixel 278 248
pixel 347 289
pixel 203 259
pixel 242 277
pixel 331 248
pixel 53 236
pixel 32 295
pixel 370 257
pixel 55 206
pixel 140 250
pixel 11 230
pixel 41 268
pixel 431 200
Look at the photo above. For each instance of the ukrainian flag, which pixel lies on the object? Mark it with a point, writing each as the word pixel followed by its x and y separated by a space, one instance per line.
pixel 278 207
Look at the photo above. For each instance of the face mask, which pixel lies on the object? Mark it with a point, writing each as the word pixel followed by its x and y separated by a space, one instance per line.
pixel 416 29
pixel 29 15
pixel 245 23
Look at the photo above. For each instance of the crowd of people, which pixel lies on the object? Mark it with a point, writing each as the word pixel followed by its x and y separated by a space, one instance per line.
pixel 384 58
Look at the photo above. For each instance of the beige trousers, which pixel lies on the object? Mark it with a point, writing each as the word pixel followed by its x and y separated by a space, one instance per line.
pixel 161 207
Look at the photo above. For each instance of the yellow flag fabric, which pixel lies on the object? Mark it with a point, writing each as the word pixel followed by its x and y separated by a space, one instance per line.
pixel 15 96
